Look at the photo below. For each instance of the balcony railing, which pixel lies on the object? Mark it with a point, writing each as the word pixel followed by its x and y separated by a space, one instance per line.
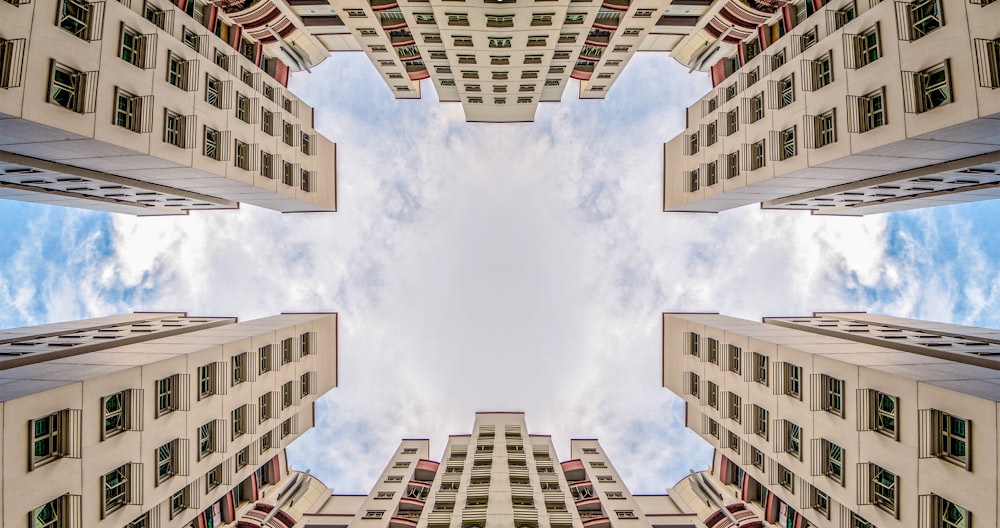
pixel 392 19
pixel 607 19
pixel 620 5
pixel 379 5
pixel 599 37
pixel 11 62
pixel 408 52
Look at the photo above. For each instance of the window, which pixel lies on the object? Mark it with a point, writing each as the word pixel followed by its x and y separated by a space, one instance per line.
pixel 240 421
pixel 755 108
pixel 792 439
pixel 712 178
pixel 213 478
pixel 167 460
pixel 692 384
pixel 161 18
pixel 117 489
pixel 785 478
pixel 784 143
pixel 168 394
pixel 927 89
pixel 244 158
pixel 384 495
pixel 732 170
pixel 626 514
pixel 206 380
pixel 691 144
pixel 266 405
pixel 712 394
pixel 307 382
pixel 862 49
pixel 135 49
pixel 885 413
pixel 245 108
pixel 267 165
pixel 917 19
pixel 692 344
pixel 732 121
pixel 374 514
pixel 238 368
pixel 81 18
pixel 946 436
pixel 785 92
pixel 206 439
pixel 830 460
pixel 179 502
pixel 215 92
pixel 821 130
pixel 759 366
pixel 287 350
pixel 831 395
pixel 806 40
pixel 121 412
pixel 817 73
pixel 835 19
pixel 176 129
pixel 734 404
pixel 757 160
pixel 131 110
pixel 735 353
pixel 856 521
pixel 866 112
pixel 711 133
pixel 46 439
pixel 267 121
pixel 751 77
pixel 760 421
pixel 242 458
pixel 757 458
pixel 193 40
pixel 938 512
pixel 266 363
pixel 880 487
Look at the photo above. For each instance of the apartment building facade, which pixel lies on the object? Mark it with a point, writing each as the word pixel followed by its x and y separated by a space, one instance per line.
pixel 844 107
pixel 844 420
pixel 155 419
pixel 153 107
pixel 500 476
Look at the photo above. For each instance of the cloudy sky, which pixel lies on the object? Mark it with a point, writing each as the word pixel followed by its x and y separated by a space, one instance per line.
pixel 499 267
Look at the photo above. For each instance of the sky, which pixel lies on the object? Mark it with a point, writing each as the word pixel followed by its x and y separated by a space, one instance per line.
pixel 499 267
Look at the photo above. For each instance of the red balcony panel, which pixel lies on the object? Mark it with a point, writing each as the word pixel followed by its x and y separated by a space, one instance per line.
pixel 592 503
pixel 580 76
pixel 407 503
pixel 428 465
pixel 380 5
pixel 400 522
pixel 597 522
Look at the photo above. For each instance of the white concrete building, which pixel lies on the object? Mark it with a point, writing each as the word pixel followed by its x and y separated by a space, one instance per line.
pixel 844 420
pixel 155 419
pixel 149 107
pixel 840 107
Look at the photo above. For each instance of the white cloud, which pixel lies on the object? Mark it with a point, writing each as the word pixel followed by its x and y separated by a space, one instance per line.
pixel 503 267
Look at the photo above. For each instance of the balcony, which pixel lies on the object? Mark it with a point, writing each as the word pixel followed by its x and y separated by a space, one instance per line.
pixel 408 53
pixel 582 72
pixel 592 53
pixel 392 19
pixel 401 37
pixel 403 522
pixel 617 5
pixel 599 37
pixel 607 19
pixel 381 5
pixel 574 468
pixel 597 522
pixel 426 469
pixel 588 504
pixel 407 504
